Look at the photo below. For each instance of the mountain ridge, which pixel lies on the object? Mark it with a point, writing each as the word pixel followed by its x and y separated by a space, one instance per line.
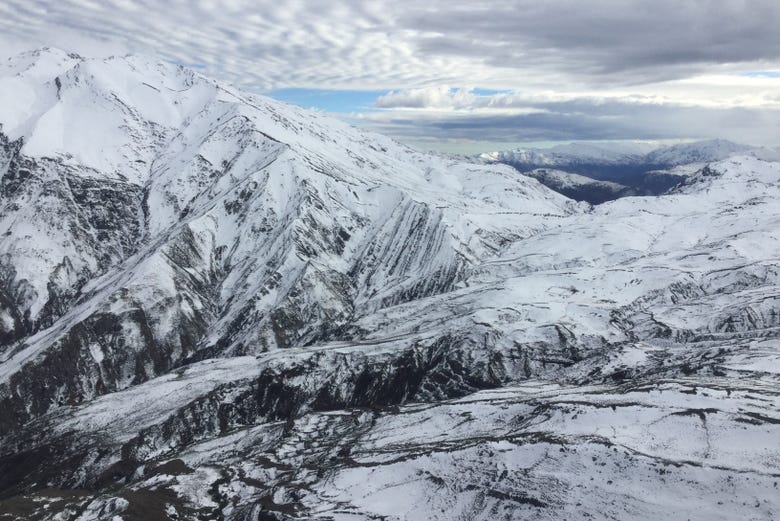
pixel 181 212
pixel 258 312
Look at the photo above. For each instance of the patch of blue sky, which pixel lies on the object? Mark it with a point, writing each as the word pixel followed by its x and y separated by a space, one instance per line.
pixel 340 101
pixel 490 92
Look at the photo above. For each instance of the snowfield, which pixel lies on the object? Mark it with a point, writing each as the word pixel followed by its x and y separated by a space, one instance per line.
pixel 217 306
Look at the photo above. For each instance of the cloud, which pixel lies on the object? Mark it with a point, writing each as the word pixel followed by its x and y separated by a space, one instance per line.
pixel 744 108
pixel 256 44
pixel 585 118
pixel 441 96
pixel 403 43
pixel 729 94
pixel 562 67
pixel 601 40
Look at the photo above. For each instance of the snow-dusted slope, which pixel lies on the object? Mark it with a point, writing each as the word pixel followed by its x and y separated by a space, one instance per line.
pixel 698 152
pixel 215 305
pixel 239 225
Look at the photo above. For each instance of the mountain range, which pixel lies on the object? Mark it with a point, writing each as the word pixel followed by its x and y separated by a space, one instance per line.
pixel 214 305
pixel 599 172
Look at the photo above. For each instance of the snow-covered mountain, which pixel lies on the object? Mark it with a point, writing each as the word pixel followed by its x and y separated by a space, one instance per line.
pixel 574 156
pixel 218 306
pixel 617 153
pixel 699 152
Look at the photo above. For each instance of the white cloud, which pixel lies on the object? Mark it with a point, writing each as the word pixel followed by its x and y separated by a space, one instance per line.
pixel 707 91
pixel 440 97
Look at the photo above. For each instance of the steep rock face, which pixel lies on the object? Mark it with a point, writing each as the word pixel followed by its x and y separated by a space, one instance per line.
pixel 236 309
pixel 207 222
pixel 61 230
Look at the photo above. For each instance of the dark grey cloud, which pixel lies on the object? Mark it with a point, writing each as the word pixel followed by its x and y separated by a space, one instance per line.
pixel 604 40
pixel 586 119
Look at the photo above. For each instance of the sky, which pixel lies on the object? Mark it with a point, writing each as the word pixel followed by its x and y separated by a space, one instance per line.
pixel 458 75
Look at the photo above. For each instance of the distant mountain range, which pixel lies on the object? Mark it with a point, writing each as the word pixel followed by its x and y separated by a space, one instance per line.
pixel 629 168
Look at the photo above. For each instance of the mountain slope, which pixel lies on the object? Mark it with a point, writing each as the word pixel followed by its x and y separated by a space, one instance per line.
pixel 241 225
pixel 218 306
